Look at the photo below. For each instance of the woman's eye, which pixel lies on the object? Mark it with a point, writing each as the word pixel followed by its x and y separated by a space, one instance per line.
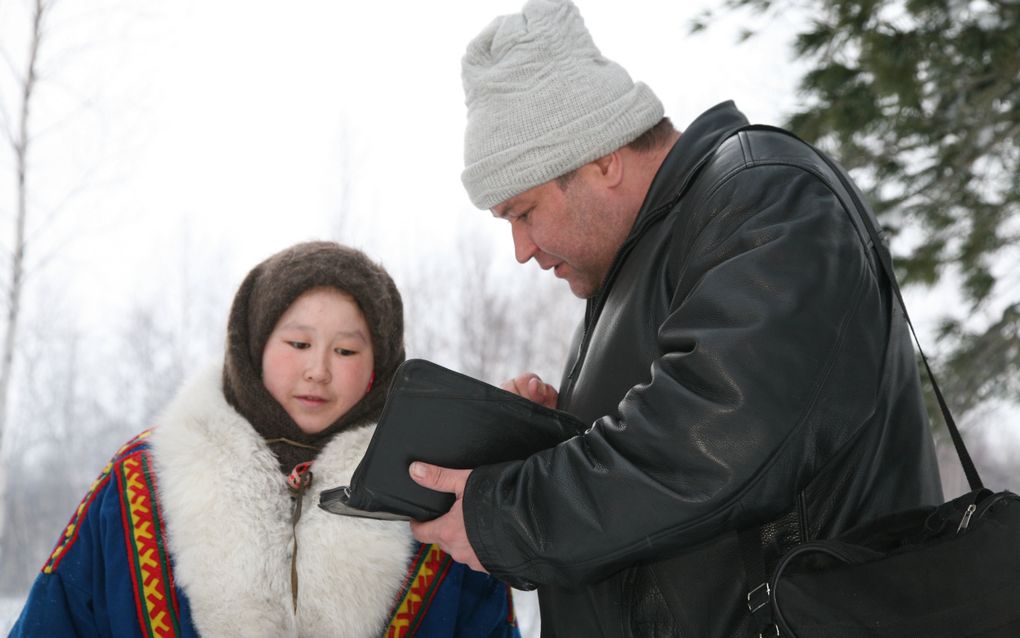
pixel 298 345
pixel 344 352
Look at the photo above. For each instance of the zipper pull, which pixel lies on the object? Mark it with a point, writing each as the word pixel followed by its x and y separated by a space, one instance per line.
pixel 965 521
pixel 298 482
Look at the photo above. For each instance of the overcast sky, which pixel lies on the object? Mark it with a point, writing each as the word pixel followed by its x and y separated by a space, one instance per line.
pixel 240 127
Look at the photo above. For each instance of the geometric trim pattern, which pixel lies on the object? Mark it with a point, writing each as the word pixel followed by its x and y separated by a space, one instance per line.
pixel 70 533
pixel 149 563
pixel 425 574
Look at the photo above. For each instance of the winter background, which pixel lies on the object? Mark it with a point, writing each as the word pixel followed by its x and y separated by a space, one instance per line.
pixel 175 145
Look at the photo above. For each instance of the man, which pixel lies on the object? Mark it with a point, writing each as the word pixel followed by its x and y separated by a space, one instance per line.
pixel 744 366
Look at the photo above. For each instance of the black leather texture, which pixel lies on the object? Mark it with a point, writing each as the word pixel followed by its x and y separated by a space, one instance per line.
pixel 441 416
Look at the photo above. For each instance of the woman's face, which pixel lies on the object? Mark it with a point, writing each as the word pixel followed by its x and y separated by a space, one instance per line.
pixel 318 361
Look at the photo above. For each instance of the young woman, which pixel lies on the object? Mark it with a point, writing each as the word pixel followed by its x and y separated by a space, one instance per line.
pixel 207 523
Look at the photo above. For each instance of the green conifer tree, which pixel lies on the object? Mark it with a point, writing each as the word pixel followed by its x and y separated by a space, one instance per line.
pixel 920 99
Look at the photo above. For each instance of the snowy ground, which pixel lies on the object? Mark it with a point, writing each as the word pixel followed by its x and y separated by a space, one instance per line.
pixel 9 609
pixel 526 606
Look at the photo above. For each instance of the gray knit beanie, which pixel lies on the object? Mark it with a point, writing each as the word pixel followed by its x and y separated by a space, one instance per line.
pixel 264 295
pixel 543 101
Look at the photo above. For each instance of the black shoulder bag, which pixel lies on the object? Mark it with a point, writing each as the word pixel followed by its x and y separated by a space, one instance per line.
pixel 951 571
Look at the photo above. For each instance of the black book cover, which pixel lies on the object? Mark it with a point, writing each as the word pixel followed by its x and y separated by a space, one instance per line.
pixel 446 418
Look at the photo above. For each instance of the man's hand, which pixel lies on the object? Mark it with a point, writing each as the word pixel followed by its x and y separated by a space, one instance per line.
pixel 530 386
pixel 448 530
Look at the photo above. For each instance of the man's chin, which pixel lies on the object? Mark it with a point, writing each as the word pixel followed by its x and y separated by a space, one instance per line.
pixel 579 286
pixel 581 289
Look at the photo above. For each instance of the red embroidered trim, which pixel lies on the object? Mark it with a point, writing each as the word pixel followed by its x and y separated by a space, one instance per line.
pixel 70 534
pixel 426 573
pixel 511 617
pixel 155 596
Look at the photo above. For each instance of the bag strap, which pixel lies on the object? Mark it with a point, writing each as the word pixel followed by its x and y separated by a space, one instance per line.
pixel 885 260
pixel 759 596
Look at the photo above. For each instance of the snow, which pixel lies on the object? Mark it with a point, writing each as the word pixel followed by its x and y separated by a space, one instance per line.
pixel 9 610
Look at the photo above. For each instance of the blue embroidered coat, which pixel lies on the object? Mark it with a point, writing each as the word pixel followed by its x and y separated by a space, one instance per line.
pixel 187 532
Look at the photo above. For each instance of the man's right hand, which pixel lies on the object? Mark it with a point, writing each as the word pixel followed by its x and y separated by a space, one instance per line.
pixel 530 386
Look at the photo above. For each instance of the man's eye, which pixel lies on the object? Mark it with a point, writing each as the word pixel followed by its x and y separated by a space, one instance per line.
pixel 520 217
pixel 298 345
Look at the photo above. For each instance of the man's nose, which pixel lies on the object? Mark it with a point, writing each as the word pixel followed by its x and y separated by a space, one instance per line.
pixel 524 248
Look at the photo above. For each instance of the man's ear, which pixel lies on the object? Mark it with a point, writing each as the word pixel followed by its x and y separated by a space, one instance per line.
pixel 610 169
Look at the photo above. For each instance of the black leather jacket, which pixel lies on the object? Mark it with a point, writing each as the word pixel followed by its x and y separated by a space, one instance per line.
pixel 744 366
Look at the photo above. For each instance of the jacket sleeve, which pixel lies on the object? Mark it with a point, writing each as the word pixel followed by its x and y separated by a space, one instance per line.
pixel 54 608
pixel 768 360
pixel 87 570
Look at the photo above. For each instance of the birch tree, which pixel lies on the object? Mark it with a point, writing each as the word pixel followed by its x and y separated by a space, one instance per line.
pixel 16 130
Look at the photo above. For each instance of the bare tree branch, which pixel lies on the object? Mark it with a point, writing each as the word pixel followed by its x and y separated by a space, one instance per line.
pixel 21 147
pixel 17 257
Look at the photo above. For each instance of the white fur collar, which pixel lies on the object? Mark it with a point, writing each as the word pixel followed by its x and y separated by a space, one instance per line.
pixel 227 513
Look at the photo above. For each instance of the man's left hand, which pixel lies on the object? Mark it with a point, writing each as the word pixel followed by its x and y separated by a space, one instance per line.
pixel 448 530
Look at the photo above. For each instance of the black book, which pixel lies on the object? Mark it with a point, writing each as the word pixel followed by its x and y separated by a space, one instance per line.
pixel 446 418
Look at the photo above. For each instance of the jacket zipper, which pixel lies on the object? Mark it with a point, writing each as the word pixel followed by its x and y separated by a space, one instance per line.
pixel 594 309
pixel 595 306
